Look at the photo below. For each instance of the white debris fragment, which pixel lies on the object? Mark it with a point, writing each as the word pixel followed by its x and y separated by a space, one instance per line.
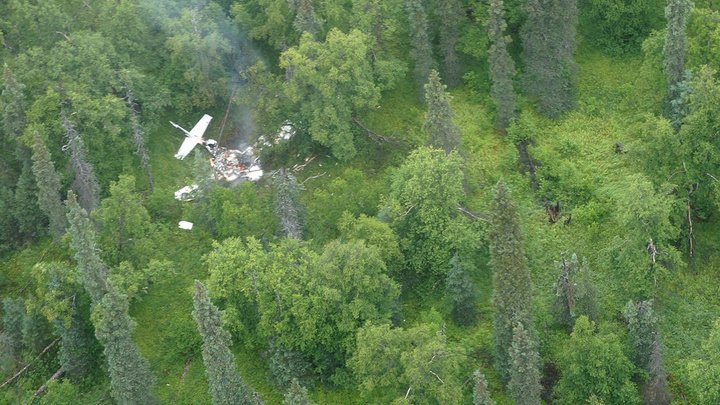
pixel 185 225
pixel 187 193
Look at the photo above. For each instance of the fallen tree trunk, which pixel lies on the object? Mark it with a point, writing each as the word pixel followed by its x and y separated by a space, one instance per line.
pixel 27 366
pixel 41 391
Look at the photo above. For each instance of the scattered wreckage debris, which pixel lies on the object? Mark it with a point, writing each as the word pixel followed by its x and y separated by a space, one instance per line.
pixel 187 193
pixel 185 225
pixel 230 165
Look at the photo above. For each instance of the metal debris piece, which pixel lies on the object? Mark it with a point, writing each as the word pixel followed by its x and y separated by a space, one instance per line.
pixel 185 225
pixel 187 193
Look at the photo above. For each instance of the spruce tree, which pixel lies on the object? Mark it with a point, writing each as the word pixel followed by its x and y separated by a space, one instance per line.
pixel 93 272
pixel 548 40
pixel 450 16
pixel 643 331
pixel 13 113
pixel 524 386
pixel 85 183
pixel 462 293
pixel 297 394
pixel 138 132
pixel 676 13
pixel 13 315
pixel 565 292
pixel 31 221
pixel 287 203
pixel 226 386
pixel 511 278
pixel 305 18
pixel 502 67
pixel 420 48
pixel 48 182
pixel 656 390
pixel 442 131
pixel 130 376
pixel 481 394
pixel 586 293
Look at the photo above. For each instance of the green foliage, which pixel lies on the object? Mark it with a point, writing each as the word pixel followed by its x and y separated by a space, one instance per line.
pixel 620 26
pixel 352 193
pixel 199 53
pixel 61 393
pixel 329 83
pixel 450 16
pixel 132 280
pixel 297 395
pixel 59 298
pixel 130 376
pixel 383 21
pixel 575 292
pixel 305 18
pixel 242 211
pixel 442 131
pixel 415 364
pixel 31 221
pixel 524 385
pixel 422 205
pixel 643 331
pixel 594 365
pixel 502 66
pixel 512 287
pixel 268 20
pixel 226 386
pixel 93 272
pixel 675 47
pixel 420 48
pixel 304 302
pixel 646 214
pixel 125 226
pixel 374 233
pixel 13 315
pixel 701 152
pixel 462 293
pixel 548 40
pixel 481 394
pixel 287 205
pixel 704 370
pixel 48 183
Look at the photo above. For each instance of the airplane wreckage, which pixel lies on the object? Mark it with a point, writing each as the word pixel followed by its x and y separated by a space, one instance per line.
pixel 230 165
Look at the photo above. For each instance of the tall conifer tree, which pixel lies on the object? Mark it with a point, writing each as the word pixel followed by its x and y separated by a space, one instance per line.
pixel 288 206
pixel 462 293
pixel 676 13
pixel 130 376
pixel 226 386
pixel 524 385
pixel 420 48
pixel 48 182
pixel 511 278
pixel 85 183
pixel 450 15
pixel 305 18
pixel 548 40
pixel 442 131
pixel 297 394
pixel 481 394
pixel 93 272
pixel 502 67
